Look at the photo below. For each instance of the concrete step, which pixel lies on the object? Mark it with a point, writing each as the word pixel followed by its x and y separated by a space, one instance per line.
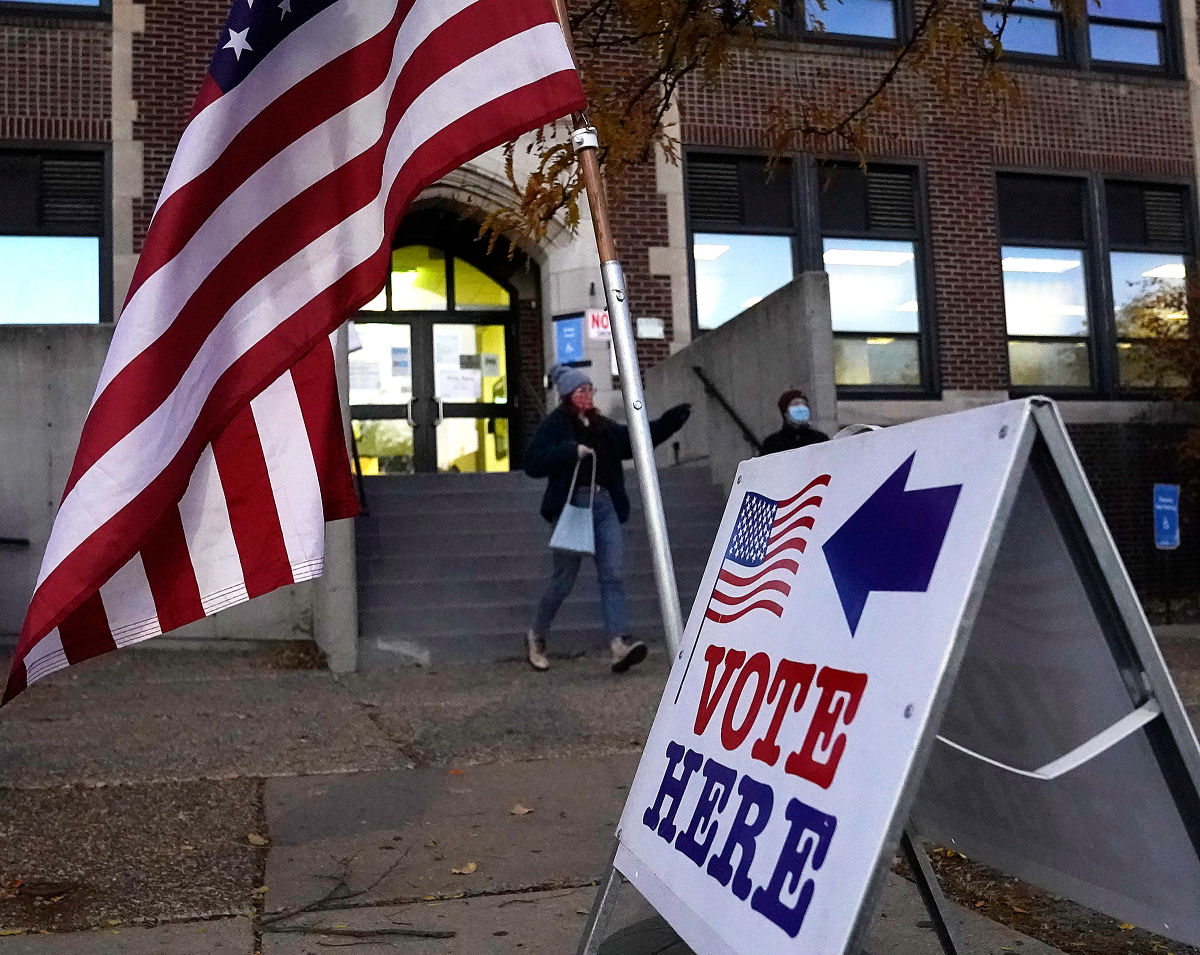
pixel 384 485
pixel 515 613
pixel 444 595
pixel 437 517
pixel 529 539
pixel 404 649
pixel 408 569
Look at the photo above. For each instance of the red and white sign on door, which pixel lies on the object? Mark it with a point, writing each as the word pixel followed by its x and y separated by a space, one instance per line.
pixel 597 325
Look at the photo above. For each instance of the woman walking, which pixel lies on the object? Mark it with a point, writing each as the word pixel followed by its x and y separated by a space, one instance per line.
pixel 577 435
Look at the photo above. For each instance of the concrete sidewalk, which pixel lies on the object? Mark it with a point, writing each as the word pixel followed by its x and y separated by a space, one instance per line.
pixel 133 790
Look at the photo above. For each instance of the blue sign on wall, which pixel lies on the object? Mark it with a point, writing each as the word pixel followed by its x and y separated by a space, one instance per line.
pixel 1166 516
pixel 568 338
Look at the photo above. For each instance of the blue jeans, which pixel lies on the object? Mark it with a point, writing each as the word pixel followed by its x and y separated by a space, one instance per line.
pixel 610 558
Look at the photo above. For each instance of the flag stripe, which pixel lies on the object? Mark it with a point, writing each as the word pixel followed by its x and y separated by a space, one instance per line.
pixel 718 617
pixel 169 573
pixel 125 471
pixel 794 544
pixel 357 134
pixel 803 522
pixel 215 444
pixel 287 235
pixel 211 547
pixel 252 515
pixel 85 632
pixel 776 585
pixel 731 578
pixel 309 104
pixel 129 604
pixel 810 502
pixel 315 378
pixel 336 30
pixel 291 471
pixel 822 481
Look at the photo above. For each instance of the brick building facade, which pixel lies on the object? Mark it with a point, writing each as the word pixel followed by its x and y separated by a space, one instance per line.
pixel 111 83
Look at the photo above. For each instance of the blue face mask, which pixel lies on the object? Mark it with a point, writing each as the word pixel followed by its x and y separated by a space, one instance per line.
pixel 799 414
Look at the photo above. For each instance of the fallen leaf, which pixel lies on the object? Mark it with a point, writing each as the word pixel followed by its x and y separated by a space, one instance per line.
pixel 1017 908
pixel 1125 926
pixel 12 931
pixel 979 904
pixel 187 847
pixel 113 922
pixel 465 870
pixel 454 772
pixel 256 840
pixel 260 891
pixel 519 810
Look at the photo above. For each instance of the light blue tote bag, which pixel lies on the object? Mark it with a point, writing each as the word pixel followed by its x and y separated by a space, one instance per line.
pixel 574 530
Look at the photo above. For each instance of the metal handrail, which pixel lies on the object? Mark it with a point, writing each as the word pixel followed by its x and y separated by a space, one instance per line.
pixel 715 393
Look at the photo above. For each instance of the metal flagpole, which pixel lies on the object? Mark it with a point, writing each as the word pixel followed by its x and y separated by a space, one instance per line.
pixel 585 143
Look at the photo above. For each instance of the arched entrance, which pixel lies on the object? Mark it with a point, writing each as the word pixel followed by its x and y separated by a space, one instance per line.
pixel 432 387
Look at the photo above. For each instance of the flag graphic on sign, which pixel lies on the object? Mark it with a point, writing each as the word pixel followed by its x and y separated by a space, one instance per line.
pixel 765 539
pixel 213 452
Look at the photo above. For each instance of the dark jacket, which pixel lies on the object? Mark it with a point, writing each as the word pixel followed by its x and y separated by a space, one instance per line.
pixel 553 454
pixel 789 437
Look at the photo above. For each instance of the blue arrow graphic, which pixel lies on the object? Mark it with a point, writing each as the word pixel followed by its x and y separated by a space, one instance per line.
pixel 891 542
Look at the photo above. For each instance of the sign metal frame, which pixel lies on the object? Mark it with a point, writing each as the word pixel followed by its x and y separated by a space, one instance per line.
pixel 1041 444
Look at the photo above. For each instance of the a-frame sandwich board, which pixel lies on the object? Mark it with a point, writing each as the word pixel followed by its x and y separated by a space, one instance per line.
pixel 954 620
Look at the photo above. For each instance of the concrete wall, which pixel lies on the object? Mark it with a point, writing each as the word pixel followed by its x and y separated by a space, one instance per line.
pixel 47 375
pixel 784 341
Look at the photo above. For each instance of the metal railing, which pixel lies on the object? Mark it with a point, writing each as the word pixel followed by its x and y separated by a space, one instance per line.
pixel 715 393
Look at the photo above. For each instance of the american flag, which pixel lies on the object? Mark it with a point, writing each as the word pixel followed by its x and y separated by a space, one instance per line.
pixel 766 536
pixel 213 452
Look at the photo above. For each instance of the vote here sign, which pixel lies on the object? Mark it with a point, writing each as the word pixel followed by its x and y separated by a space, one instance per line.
pixel 777 772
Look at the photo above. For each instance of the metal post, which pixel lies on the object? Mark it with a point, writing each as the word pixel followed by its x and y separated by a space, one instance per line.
pixel 606 900
pixel 931 891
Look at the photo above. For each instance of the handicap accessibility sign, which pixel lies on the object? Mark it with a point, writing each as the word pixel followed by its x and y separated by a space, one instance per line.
pixel 894 628
pixel 1166 516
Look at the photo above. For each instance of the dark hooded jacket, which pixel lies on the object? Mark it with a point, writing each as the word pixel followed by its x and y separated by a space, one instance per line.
pixel 553 454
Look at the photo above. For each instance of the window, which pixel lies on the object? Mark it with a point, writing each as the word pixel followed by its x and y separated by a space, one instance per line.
pixel 1148 266
pixel 861 228
pixel 1115 34
pixel 871 253
pixel 425 279
pixel 846 18
pixel 52 229
pixel 57 7
pixel 742 224
pixel 1083 294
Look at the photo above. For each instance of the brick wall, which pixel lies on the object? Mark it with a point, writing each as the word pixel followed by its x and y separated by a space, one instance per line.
pixel 55 79
pixel 1123 462
pixel 170 59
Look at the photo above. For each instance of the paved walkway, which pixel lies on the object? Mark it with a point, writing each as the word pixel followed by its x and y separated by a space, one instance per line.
pixel 166 801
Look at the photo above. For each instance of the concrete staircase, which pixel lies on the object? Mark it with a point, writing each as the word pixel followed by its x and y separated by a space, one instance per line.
pixel 450 567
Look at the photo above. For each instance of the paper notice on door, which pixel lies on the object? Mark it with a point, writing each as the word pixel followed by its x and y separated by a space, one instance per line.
pixel 459 384
pixel 446 349
pixel 364 374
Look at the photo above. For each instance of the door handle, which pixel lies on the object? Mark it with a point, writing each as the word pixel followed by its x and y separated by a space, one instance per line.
pixel 440 411
pixel 408 412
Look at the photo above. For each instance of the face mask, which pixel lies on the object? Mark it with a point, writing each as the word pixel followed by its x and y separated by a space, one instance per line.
pixel 798 414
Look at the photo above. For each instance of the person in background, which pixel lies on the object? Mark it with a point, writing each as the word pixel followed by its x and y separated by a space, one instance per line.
pixel 796 431
pixel 576 432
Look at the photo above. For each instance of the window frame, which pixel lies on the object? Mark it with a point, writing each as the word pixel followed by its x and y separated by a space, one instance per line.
pixel 1076 43
pixel 107 310
pixel 64 11
pixel 1102 336
pixel 807 237
pixel 794 27
pixel 926 333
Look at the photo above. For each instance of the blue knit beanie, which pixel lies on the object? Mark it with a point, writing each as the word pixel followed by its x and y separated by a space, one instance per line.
pixel 567 379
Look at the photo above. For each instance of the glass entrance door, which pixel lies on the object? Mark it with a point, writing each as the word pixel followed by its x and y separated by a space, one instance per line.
pixel 430 388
